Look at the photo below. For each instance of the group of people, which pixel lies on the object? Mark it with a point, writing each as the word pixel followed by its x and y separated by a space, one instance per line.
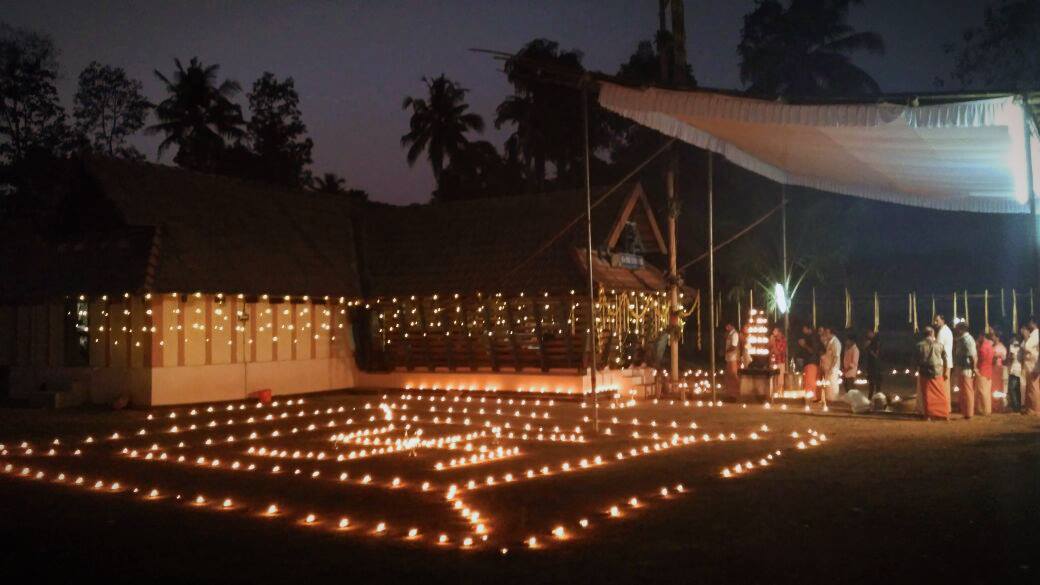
pixel 826 368
pixel 948 361
pixel 952 359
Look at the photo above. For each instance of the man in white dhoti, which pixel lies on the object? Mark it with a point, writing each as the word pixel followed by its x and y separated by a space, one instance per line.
pixel 830 364
pixel 1030 357
pixel 944 335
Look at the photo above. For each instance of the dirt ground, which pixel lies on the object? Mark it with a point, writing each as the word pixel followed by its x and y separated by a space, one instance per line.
pixel 882 499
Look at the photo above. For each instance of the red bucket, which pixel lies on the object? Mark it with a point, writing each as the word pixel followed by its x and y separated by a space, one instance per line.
pixel 263 396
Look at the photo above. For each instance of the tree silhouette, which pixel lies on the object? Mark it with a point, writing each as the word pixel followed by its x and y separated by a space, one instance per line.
pixel 336 185
pixel 109 107
pixel 546 114
pixel 1002 52
pixel 31 117
pixel 804 49
pixel 277 133
pixel 198 116
pixel 479 171
pixel 644 67
pixel 329 183
pixel 528 145
pixel 439 124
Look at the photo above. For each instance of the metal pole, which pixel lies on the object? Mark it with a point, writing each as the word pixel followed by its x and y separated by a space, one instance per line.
pixel 588 243
pixel 711 270
pixel 1027 114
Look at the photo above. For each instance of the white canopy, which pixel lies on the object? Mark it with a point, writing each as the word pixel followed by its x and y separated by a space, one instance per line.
pixel 962 156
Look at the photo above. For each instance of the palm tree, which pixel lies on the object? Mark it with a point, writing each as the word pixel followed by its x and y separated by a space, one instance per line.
pixel 545 111
pixel 803 50
pixel 526 146
pixel 545 115
pixel 329 183
pixel 198 115
pixel 336 185
pixel 439 124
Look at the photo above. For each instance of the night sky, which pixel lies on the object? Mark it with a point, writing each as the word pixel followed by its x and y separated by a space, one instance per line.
pixel 353 62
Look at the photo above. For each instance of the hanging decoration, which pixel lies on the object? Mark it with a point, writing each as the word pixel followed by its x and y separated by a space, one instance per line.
pixel 700 331
pixel 967 316
pixel 1014 311
pixel 917 326
pixel 910 308
pixel 1003 313
pixel 954 306
pixel 848 309
pixel 877 313
pixel 739 313
pixel 985 309
pixel 933 309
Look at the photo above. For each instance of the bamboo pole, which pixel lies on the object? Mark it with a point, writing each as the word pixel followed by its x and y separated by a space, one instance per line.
pixel 588 244
pixel 711 265
pixel 673 271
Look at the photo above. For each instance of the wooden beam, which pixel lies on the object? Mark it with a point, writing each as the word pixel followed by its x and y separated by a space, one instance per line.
pixel 622 219
pixel 652 219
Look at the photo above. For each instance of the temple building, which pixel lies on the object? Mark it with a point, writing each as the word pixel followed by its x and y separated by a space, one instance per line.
pixel 140 283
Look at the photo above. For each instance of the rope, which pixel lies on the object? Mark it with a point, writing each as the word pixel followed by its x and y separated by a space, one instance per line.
pixel 730 240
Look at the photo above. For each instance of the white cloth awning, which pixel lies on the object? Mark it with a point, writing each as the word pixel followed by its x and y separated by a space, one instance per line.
pixel 962 156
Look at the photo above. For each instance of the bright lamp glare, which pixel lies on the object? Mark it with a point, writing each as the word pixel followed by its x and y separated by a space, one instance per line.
pixel 781 297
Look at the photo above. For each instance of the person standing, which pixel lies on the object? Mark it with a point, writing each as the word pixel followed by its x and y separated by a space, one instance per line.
pixel 945 337
pixel 732 355
pixel 931 365
pixel 850 362
pixel 984 381
pixel 965 369
pixel 809 355
pixel 1000 354
pixel 830 364
pixel 745 349
pixel 1030 376
pixel 872 361
pixel 778 359
pixel 1014 384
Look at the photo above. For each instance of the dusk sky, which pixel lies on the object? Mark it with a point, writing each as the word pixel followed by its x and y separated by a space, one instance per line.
pixel 354 61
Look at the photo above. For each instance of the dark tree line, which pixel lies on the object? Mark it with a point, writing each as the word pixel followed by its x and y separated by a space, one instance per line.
pixel 801 48
pixel 789 49
pixel 198 118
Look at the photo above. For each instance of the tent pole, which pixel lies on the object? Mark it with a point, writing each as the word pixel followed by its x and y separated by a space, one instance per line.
pixel 1027 115
pixel 588 242
pixel 711 270
pixel 785 275
pixel 673 273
